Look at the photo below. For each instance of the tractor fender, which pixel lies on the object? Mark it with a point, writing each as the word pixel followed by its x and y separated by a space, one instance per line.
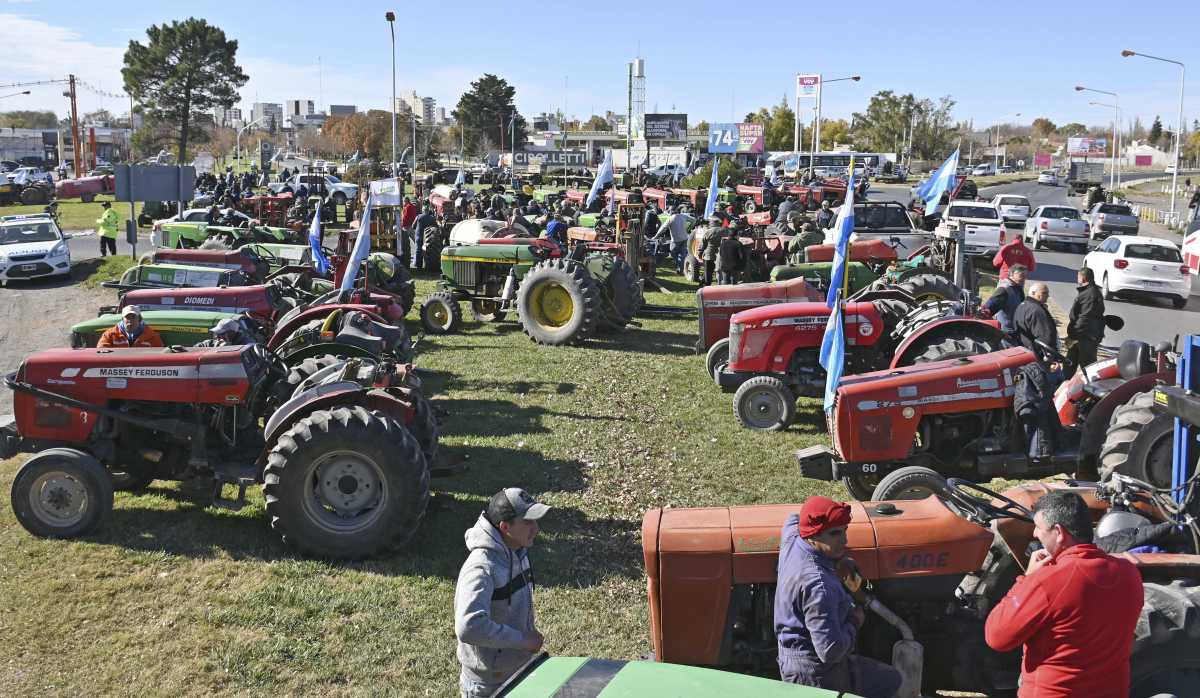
pixel 328 396
pixel 986 329
pixel 1095 425
pixel 282 332
pixel 335 348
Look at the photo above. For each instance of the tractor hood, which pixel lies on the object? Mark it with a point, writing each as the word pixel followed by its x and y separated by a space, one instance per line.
pixel 863 323
pixel 756 294
pixel 869 251
pixel 499 254
pixel 222 299
pixel 694 556
pixel 183 327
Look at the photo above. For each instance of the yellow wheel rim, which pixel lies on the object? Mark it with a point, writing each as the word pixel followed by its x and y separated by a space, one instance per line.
pixel 552 305
pixel 439 314
pixel 929 297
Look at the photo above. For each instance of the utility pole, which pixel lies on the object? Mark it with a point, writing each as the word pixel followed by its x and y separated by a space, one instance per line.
pixel 628 125
pixel 76 141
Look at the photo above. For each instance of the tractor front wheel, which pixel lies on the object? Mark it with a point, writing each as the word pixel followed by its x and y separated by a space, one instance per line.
pixel 61 493
pixel 346 483
pixel 930 287
pixel 558 302
pixel 764 403
pixel 717 358
pixel 861 486
pixel 1139 443
pixel 909 482
pixel 441 314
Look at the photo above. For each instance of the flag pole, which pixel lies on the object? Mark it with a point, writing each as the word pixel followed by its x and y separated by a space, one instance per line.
pixel 846 260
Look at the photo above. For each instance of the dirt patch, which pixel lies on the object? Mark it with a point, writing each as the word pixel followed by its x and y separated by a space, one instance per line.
pixel 37 315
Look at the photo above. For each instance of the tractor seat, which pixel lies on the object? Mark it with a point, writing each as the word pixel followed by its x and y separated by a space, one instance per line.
pixel 1101 388
pixel 1134 359
pixel 375 337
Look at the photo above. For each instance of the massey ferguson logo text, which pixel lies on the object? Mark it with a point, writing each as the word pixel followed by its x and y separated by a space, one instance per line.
pixel 141 372
pixel 199 300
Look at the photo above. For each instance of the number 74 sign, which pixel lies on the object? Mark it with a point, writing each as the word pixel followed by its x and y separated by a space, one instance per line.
pixel 735 138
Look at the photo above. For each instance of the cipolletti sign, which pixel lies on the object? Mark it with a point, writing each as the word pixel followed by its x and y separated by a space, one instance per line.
pixel 553 158
pixel 666 127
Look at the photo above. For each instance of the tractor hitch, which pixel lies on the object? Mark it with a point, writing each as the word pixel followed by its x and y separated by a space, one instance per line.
pixel 816 462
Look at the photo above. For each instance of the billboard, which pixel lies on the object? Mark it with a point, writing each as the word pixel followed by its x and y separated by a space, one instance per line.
pixel 1143 160
pixel 1087 147
pixel 665 127
pixel 808 85
pixel 736 138
pixel 1041 160
pixel 552 158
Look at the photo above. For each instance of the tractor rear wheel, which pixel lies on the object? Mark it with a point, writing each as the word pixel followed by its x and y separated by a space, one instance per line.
pixel 1165 659
pixel 930 287
pixel 486 311
pixel 61 493
pixel 954 346
pixel 1139 443
pixel 558 302
pixel 621 296
pixel 909 482
pixel 31 196
pixel 284 389
pixel 861 486
pixel 441 314
pixel 764 403
pixel 346 483
pixel 717 358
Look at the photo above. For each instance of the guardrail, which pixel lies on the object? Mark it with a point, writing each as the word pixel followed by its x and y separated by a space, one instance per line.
pixel 1156 215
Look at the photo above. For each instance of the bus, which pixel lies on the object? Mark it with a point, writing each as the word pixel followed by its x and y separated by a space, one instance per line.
pixel 833 163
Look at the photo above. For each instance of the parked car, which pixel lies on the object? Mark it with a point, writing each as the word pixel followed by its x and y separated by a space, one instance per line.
pixel 340 191
pixel 1111 219
pixel 1169 169
pixel 1012 207
pixel 447 175
pixel 1140 266
pixel 8 165
pixel 983 170
pixel 980 223
pixel 1048 177
pixel 1008 169
pixel 31 174
pixel 32 246
pixel 1060 225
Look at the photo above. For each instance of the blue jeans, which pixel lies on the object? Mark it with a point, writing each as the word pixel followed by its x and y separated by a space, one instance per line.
pixel 862 676
pixel 679 251
pixel 470 688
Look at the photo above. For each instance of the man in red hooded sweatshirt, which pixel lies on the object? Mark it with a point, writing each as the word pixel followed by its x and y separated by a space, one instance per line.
pixel 1012 253
pixel 1075 609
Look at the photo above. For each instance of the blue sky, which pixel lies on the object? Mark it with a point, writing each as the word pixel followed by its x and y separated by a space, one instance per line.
pixel 715 61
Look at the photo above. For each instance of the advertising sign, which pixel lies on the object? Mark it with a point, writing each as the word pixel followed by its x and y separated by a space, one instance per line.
pixel 1041 160
pixel 555 158
pixel 1087 147
pixel 736 138
pixel 1143 160
pixel 666 127
pixel 807 85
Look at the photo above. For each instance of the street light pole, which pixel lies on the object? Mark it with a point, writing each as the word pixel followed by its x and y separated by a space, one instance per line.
pixel 239 137
pixel 1179 124
pixel 391 20
pixel 15 94
pixel 1116 119
pixel 820 85
pixel 1115 175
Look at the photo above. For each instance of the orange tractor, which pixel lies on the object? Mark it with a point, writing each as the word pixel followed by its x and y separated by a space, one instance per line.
pixel 934 569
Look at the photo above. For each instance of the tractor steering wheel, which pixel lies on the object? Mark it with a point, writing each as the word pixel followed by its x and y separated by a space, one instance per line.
pixel 980 510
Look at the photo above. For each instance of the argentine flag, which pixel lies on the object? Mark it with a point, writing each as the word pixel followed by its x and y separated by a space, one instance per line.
pixel 710 206
pixel 362 247
pixel 833 344
pixel 603 176
pixel 314 241
pixel 941 182
pixel 461 179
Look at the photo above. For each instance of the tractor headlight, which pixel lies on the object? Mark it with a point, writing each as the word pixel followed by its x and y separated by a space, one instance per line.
pixel 735 342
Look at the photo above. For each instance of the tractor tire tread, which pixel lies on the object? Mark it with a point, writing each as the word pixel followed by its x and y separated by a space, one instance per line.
pixel 570 273
pixel 1127 422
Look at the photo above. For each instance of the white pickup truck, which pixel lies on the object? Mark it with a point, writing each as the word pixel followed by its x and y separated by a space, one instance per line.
pixel 983 231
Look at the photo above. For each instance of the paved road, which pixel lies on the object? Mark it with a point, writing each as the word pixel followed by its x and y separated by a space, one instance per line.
pixel 1147 320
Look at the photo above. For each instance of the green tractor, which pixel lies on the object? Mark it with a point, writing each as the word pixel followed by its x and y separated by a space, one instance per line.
pixel 195 233
pixel 559 299
pixel 177 327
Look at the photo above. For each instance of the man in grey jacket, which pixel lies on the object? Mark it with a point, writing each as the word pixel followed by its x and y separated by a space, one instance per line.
pixel 493 602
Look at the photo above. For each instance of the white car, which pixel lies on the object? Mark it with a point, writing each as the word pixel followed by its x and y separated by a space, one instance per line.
pixel 28 175
pixel 979 221
pixel 1169 169
pixel 1060 225
pixel 32 246
pixel 984 170
pixel 340 191
pixel 1012 207
pixel 1143 266
pixel 1048 177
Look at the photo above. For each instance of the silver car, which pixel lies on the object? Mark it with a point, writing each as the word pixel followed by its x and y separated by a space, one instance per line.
pixel 1058 225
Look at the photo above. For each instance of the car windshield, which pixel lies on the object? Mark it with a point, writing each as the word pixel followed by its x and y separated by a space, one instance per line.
pixel 1154 253
pixel 1049 172
pixel 1060 213
pixel 331 179
pixel 1118 209
pixel 973 212
pixel 872 217
pixel 15 234
pixel 1014 201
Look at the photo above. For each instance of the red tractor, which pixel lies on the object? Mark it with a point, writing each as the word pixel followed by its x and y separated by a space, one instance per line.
pixel 253 266
pixel 934 569
pixel 344 457
pixel 773 350
pixel 899 432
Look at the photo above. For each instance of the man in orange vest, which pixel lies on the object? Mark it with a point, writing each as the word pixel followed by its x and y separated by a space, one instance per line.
pixel 131 331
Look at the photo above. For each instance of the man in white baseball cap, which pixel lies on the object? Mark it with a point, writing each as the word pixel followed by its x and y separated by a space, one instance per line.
pixel 131 331
pixel 493 602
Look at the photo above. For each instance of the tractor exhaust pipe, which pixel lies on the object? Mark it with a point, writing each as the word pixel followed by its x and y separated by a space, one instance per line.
pixel 908 656
pixel 510 288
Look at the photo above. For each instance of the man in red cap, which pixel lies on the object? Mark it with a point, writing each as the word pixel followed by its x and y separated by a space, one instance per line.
pixel 816 618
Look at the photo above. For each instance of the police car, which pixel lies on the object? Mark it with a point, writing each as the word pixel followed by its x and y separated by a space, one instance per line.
pixel 32 246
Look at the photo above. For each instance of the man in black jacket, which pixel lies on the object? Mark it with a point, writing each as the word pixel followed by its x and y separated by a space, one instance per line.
pixel 1086 326
pixel 1033 324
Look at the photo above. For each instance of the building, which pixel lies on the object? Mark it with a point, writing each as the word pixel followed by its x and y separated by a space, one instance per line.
pixel 297 107
pixel 443 118
pixel 423 107
pixel 227 117
pixel 1139 154
pixel 266 114
pixel 342 109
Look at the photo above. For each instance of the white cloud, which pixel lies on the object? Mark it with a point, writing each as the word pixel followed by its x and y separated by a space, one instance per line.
pixel 47 52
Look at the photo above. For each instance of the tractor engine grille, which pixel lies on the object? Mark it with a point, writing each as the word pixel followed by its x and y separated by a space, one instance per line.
pixel 466 273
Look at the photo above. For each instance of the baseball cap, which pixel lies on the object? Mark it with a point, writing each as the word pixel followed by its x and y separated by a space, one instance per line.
pixel 131 310
pixel 225 326
pixel 514 503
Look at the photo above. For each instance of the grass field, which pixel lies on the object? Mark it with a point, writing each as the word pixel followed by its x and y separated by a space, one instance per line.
pixel 174 597
pixel 76 215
